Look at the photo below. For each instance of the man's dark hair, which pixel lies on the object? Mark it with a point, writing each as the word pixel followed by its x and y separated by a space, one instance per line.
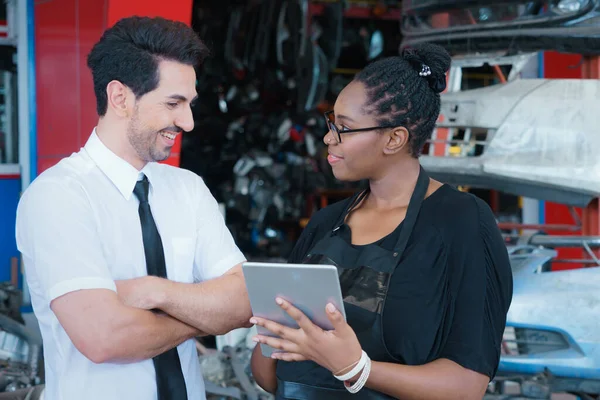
pixel 405 90
pixel 130 51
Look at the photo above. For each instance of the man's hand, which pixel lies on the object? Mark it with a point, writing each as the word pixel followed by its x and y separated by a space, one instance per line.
pixel 144 292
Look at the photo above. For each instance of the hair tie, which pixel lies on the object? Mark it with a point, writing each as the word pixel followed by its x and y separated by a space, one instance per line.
pixel 436 82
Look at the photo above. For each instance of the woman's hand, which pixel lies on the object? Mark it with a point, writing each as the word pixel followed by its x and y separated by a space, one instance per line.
pixel 337 350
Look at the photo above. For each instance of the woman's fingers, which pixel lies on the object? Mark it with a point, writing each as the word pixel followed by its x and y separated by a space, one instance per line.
pixel 280 330
pixel 336 318
pixel 288 357
pixel 301 319
pixel 277 343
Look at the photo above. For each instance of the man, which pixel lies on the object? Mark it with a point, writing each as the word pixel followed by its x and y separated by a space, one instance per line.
pixel 127 260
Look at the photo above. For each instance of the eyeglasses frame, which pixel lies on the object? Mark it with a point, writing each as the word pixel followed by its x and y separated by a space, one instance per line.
pixel 335 130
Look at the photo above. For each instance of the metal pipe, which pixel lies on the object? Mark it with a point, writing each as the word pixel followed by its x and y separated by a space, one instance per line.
pixel 458 141
pixel 26 99
pixel 574 261
pixel 23 95
pixel 31 88
pixel 564 241
pixel 539 227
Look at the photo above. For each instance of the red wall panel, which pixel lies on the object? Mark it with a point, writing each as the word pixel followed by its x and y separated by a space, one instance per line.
pixel 92 22
pixel 562 66
pixel 57 94
pixel 179 10
pixel 65 31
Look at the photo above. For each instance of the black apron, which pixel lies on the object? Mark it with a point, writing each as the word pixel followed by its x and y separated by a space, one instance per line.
pixel 365 273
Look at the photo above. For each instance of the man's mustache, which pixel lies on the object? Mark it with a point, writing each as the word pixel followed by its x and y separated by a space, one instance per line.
pixel 173 128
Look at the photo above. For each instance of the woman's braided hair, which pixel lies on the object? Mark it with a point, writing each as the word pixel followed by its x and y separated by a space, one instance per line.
pixel 405 90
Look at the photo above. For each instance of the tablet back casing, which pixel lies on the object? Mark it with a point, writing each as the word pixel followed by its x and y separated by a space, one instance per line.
pixel 309 287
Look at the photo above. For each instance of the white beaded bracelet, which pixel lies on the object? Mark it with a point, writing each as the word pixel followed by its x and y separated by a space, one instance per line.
pixel 360 383
pixel 357 368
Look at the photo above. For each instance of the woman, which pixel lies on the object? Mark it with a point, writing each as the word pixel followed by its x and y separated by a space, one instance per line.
pixel 424 271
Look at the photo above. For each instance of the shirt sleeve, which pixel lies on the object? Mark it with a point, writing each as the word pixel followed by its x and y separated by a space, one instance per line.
pixel 482 286
pixel 216 251
pixel 57 235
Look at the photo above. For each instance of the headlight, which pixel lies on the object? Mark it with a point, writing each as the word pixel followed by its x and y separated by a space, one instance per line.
pixel 571 6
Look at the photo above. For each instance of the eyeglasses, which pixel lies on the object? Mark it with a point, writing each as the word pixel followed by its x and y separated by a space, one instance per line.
pixel 338 134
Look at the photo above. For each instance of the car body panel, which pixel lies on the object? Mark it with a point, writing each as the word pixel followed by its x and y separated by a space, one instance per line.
pixel 467 27
pixel 541 139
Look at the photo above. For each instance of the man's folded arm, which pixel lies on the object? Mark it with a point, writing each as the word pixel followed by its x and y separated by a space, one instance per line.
pixel 105 330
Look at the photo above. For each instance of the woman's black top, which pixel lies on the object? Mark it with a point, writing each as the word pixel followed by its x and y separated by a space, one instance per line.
pixel 449 295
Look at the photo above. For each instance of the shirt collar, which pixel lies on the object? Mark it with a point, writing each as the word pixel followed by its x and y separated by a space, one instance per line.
pixel 122 174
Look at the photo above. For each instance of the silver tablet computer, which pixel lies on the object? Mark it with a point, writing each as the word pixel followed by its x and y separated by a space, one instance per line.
pixel 309 287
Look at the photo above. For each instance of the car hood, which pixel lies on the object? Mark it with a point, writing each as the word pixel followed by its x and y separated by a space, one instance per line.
pixel 466 26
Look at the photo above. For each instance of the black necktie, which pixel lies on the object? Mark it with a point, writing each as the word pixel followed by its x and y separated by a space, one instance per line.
pixel 169 376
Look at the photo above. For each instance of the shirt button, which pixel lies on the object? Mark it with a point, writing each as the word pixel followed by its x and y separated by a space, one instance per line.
pixel 395 254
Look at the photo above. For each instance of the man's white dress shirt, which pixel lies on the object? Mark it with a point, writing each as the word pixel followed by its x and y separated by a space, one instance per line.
pixel 78 228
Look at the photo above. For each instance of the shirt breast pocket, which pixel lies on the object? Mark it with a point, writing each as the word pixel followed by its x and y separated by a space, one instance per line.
pixel 183 252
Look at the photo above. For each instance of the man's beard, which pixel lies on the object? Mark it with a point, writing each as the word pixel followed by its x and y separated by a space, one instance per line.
pixel 144 142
